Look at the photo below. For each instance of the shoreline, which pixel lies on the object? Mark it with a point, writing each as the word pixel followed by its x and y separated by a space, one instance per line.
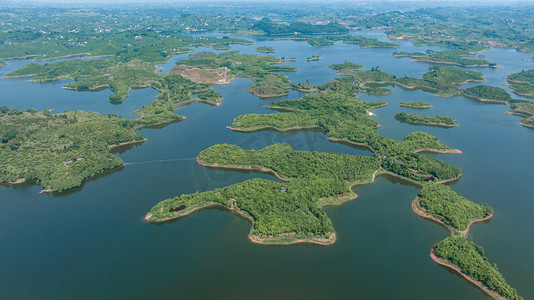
pixel 413 106
pixel 477 283
pixel 429 124
pixel 526 125
pixel 485 99
pixel 318 240
pixel 338 140
pixel 273 128
pixel 262 170
pixel 443 151
pixel 322 241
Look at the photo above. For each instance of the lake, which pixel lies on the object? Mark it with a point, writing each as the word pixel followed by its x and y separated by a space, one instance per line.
pixel 92 242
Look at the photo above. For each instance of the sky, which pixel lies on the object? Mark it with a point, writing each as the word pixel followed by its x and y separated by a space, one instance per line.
pixel 222 1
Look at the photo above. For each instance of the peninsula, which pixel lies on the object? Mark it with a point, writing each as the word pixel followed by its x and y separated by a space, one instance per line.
pixel 522 83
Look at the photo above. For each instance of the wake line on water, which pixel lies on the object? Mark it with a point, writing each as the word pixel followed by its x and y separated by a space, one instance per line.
pixel 157 161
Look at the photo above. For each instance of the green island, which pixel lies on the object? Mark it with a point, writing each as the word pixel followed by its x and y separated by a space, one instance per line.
pixel 415 104
pixel 440 203
pixel 59 151
pixel 440 121
pixel 346 68
pixel 265 49
pixel 518 107
pixel 448 57
pixel 441 80
pixel 2 63
pixel 522 83
pixel 363 42
pixel 304 87
pixel 268 27
pixel 126 70
pixel 314 58
pixel 284 212
pixel 468 259
pixel 487 93
pixel 260 69
pixel 314 41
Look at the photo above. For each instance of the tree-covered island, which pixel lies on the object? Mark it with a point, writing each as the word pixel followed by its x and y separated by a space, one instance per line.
pixel 346 68
pixel 441 121
pixel 447 57
pixel 265 49
pixel 415 104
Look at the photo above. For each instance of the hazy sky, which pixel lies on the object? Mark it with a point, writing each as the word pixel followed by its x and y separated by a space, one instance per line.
pixel 222 1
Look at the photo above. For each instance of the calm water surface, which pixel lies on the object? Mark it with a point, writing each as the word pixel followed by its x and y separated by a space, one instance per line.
pixel 91 242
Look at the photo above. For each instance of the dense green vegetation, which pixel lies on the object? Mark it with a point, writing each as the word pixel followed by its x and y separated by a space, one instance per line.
pixel 450 57
pixel 488 93
pixel 290 164
pixel 345 119
pixel 525 110
pixel 265 49
pixel 142 44
pixel 455 211
pixel 304 87
pixel 279 208
pixel 415 104
pixel 363 42
pixel 441 80
pixel 317 41
pixel 471 260
pixel 275 213
pixel 351 86
pixel 2 63
pixel 314 57
pixel 119 76
pixel 315 179
pixel 426 120
pixel 522 83
pixel 269 27
pixel 211 97
pixel 36 145
pixel 261 69
pixel 465 28
pixel 346 68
